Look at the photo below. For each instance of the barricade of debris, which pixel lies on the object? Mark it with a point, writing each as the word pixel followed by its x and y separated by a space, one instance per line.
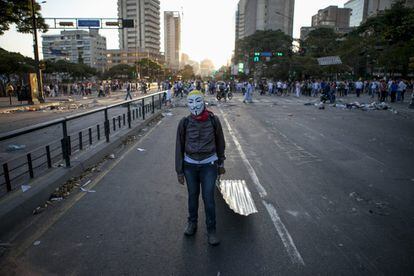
pixel 356 105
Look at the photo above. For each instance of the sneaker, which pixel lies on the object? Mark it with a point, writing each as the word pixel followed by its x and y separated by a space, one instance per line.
pixel 190 229
pixel 212 238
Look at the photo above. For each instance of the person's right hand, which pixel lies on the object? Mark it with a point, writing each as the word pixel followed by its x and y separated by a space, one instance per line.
pixel 180 179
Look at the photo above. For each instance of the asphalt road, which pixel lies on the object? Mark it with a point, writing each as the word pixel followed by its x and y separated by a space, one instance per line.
pixel 333 187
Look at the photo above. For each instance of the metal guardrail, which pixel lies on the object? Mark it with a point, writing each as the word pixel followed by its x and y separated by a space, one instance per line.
pixel 71 142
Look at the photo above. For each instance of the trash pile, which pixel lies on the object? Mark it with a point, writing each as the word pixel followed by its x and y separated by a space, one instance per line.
pixel 15 147
pixel 356 105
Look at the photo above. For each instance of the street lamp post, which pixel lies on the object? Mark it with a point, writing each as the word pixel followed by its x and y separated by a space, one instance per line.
pixel 36 54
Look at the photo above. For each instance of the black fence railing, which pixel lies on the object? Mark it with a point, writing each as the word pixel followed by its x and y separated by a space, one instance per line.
pixel 79 132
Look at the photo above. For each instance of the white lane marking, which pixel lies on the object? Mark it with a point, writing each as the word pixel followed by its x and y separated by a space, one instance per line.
pixel 282 231
pixel 252 173
pixel 284 234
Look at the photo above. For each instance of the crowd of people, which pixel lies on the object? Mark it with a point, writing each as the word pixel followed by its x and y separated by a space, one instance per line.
pixel 102 88
pixel 391 90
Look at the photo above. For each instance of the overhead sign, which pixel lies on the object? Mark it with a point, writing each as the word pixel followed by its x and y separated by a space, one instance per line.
pixel 332 60
pixel 92 23
pixel 66 24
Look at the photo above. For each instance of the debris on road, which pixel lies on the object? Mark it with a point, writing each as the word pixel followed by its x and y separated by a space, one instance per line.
pixel 87 190
pixel 167 114
pixel 320 105
pixel 355 105
pixel 111 156
pixel 25 188
pixel 356 196
pixel 38 210
pixel 36 243
pixel 140 149
pixel 87 183
pixel 56 199
pixel 15 147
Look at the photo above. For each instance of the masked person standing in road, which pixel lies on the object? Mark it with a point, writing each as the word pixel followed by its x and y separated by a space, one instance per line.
pixel 199 158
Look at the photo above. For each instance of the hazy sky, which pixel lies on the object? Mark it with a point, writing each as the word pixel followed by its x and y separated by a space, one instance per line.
pixel 207 28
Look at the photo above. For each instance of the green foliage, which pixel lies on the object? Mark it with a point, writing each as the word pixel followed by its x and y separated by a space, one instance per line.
pixel 187 73
pixel 321 42
pixel 120 71
pixel 73 70
pixel 15 63
pixel 149 68
pixel 19 12
pixel 384 42
pixel 266 41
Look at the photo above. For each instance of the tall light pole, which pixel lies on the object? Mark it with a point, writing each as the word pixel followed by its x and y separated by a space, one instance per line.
pixel 36 54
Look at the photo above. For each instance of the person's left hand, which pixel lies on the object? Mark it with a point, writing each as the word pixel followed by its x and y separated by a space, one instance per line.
pixel 221 170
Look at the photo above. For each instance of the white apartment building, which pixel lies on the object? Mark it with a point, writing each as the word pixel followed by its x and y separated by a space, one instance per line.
pixel 88 47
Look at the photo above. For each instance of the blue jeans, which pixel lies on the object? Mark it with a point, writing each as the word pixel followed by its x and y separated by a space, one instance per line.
pixel 205 176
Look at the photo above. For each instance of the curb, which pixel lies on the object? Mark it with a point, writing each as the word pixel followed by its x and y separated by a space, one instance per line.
pixel 18 206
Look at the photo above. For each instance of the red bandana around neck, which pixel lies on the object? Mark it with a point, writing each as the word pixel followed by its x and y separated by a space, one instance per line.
pixel 203 116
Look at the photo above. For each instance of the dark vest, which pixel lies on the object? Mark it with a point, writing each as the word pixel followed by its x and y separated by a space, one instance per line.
pixel 200 139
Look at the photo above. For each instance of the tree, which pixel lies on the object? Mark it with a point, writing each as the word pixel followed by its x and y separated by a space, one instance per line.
pixel 187 73
pixel 266 41
pixel 321 42
pixel 120 71
pixel 383 43
pixel 14 63
pixel 19 12
pixel 149 68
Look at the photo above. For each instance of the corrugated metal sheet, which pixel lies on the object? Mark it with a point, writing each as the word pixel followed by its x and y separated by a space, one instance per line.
pixel 237 196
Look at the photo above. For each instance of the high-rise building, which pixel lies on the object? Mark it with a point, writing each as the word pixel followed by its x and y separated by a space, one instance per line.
pixel 77 46
pixel 145 37
pixel 359 11
pixel 240 23
pixel 332 16
pixel 362 9
pixel 265 15
pixel 172 38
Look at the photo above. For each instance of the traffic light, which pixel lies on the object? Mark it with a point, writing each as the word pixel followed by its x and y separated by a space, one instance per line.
pixel 279 54
pixel 256 57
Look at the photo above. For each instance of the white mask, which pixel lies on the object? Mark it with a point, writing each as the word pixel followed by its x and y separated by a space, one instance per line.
pixel 195 104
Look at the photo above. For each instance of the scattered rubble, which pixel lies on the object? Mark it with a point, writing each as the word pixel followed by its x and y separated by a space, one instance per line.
pixel 87 190
pixel 15 147
pixel 355 105
pixel 25 188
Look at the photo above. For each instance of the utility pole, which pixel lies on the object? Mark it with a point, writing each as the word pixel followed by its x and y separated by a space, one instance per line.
pixel 36 55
